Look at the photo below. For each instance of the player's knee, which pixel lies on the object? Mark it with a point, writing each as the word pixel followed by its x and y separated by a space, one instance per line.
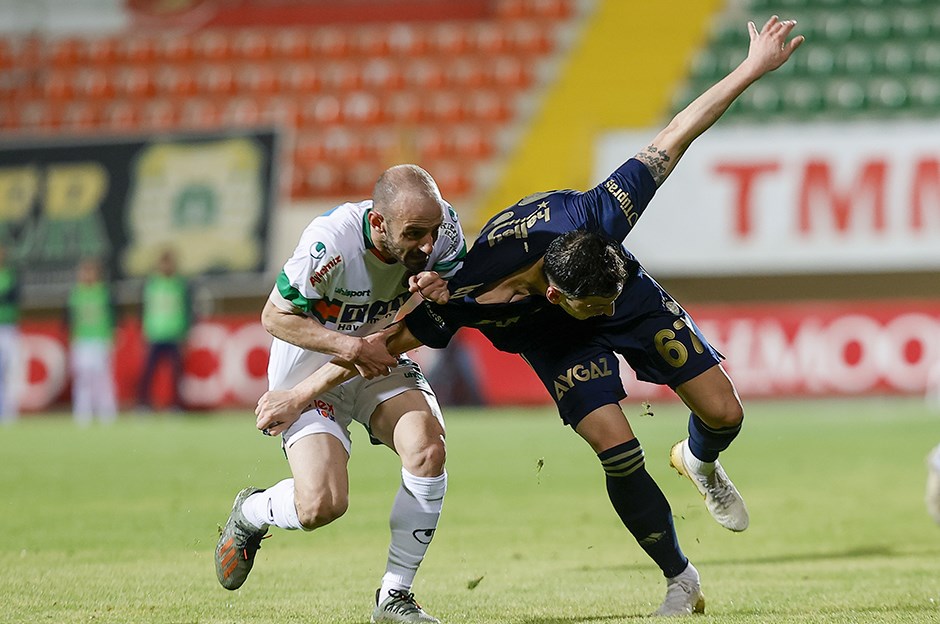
pixel 730 413
pixel 426 461
pixel 320 510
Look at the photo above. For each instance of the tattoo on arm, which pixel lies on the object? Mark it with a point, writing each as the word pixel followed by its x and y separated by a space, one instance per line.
pixel 655 160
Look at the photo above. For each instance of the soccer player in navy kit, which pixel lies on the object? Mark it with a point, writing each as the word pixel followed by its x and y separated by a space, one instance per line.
pixel 549 279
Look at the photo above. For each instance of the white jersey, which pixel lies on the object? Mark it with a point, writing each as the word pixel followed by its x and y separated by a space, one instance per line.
pixel 335 277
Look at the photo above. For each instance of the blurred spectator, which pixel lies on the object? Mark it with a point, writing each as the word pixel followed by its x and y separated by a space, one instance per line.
pixel 10 366
pixel 91 319
pixel 453 372
pixel 167 316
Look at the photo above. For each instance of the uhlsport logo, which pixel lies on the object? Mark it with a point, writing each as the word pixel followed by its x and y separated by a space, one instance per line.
pixel 581 373
pixel 317 250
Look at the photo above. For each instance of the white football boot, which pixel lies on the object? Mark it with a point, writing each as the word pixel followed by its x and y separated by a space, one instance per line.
pixel 722 499
pixel 683 594
pixel 400 606
pixel 933 484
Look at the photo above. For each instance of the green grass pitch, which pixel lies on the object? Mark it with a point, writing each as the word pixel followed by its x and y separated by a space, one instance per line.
pixel 118 524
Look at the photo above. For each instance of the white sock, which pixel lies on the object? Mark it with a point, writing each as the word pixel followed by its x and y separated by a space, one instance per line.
pixel 274 506
pixel 695 464
pixel 414 518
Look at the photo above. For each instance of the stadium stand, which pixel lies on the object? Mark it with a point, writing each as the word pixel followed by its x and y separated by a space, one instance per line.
pixel 353 96
pixel 874 59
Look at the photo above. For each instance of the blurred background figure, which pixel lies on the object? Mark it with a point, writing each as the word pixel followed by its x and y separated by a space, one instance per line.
pixel 10 366
pixel 166 305
pixel 91 319
pixel 933 484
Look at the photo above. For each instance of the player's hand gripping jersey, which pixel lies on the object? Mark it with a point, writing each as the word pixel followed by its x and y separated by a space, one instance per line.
pixel 334 277
pixel 518 237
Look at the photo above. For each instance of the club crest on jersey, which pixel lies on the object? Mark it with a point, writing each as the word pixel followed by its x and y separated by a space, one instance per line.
pixel 319 275
pixel 673 307
pixel 317 250
pixel 581 373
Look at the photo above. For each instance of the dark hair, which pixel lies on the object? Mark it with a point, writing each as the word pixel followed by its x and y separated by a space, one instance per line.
pixel 584 264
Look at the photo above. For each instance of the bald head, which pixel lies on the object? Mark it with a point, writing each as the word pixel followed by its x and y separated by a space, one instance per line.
pixel 407 212
pixel 405 187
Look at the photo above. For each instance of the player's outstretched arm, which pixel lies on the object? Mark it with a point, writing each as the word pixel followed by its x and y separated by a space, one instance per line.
pixel 769 50
pixel 279 409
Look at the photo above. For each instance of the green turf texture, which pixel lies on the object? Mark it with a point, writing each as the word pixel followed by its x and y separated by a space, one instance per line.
pixel 118 524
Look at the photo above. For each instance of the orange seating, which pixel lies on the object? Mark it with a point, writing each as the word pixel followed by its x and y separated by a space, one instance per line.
pixel 159 115
pixel 381 74
pixel 341 76
pixel 256 79
pixel 240 112
pixel 280 111
pixel 174 48
pixel 321 179
pixel 212 45
pixel 466 72
pixel 443 106
pixel 216 79
pixel 201 114
pixel 449 39
pixel 402 108
pixel 138 49
pixel 65 52
pixel 121 116
pixel 321 110
pixel 361 108
pixel 135 82
pixel 406 40
pixel 487 106
pixel 300 78
pixel 491 38
pixel 290 44
pixel 354 97
pixel 93 83
pixel 175 81
pixel 423 74
pixel 80 116
pixel 101 51
pixel 252 45
pixel 57 84
pixel 330 42
pixel 369 41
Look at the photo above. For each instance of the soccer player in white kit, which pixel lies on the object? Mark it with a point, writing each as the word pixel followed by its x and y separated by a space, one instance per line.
pixel 353 270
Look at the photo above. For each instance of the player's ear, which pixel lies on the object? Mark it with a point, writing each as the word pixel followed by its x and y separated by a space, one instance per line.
pixel 376 220
pixel 553 294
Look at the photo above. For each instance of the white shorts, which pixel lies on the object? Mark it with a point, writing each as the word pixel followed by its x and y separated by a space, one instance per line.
pixel 333 411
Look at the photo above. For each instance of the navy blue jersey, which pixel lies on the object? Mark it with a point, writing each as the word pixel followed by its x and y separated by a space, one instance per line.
pixel 576 360
pixel 517 238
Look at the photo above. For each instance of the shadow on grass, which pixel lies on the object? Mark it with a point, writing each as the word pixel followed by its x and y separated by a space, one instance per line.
pixel 874 550
pixel 575 619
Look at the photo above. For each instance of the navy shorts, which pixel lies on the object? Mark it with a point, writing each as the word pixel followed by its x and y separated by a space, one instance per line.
pixel 649 329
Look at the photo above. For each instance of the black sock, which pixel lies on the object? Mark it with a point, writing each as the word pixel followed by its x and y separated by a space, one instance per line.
pixel 705 442
pixel 642 507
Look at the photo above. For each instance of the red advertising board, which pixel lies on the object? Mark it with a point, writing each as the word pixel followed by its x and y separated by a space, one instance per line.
pixel 774 351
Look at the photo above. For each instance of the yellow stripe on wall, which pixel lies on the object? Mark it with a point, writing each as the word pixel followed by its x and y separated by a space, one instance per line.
pixel 630 57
